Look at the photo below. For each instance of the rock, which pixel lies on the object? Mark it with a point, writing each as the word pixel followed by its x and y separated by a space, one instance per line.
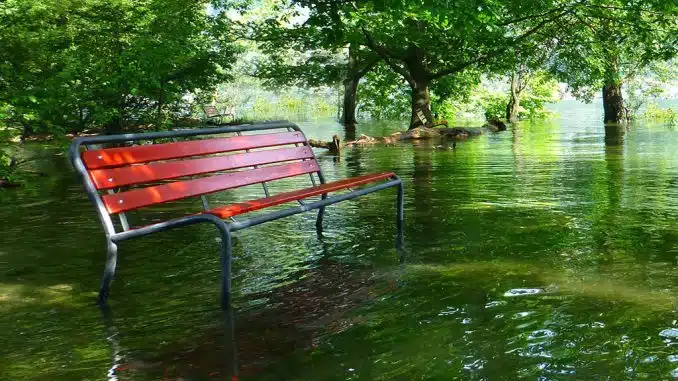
pixel 495 125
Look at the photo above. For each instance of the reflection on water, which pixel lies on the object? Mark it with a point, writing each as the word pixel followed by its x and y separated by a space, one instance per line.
pixel 545 252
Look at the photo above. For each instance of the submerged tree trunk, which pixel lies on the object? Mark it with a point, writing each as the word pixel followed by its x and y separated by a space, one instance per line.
pixel 351 86
pixel 513 107
pixel 613 103
pixel 613 100
pixel 350 100
pixel 114 126
pixel 355 71
pixel 421 115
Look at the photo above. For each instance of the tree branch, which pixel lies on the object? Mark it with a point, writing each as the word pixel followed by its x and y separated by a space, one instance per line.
pixel 464 65
pixel 530 17
pixel 370 64
pixel 386 56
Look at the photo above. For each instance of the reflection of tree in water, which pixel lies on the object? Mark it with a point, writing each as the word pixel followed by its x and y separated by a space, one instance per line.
pixel 425 222
pixel 350 133
pixel 354 160
pixel 422 177
pixel 608 225
pixel 614 162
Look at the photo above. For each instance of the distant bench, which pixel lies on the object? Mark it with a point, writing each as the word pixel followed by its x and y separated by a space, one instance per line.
pixel 122 179
pixel 212 113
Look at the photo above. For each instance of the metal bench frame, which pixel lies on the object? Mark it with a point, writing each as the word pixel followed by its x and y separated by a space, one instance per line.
pixel 225 228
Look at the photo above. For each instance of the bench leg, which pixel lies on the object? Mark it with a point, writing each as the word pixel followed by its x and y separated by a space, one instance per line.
pixel 319 220
pixel 226 259
pixel 400 240
pixel 109 272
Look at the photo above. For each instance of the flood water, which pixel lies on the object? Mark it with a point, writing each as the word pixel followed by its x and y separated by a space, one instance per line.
pixel 547 252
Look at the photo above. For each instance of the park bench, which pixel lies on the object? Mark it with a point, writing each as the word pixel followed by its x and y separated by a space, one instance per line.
pixel 131 176
pixel 212 113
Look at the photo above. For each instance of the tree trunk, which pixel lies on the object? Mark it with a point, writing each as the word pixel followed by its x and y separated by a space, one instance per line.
pixel 114 126
pixel 350 132
pixel 613 100
pixel 350 100
pixel 355 71
pixel 351 86
pixel 613 103
pixel 340 106
pixel 421 115
pixel 513 107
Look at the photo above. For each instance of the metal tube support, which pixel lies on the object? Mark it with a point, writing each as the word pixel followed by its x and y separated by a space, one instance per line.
pixel 226 260
pixel 319 219
pixel 321 210
pixel 109 272
pixel 232 356
pixel 308 206
pixel 400 240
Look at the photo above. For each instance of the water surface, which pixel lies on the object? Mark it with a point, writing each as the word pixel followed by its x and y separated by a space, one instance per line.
pixel 547 252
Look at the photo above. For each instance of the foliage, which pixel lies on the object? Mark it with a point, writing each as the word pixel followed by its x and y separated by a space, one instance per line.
pixel 71 65
pixel 488 100
pixel 383 95
pixel 427 42
pixel 248 98
pixel 650 85
pixel 8 155
pixel 540 91
pixel 495 106
pixel 611 41
pixel 656 113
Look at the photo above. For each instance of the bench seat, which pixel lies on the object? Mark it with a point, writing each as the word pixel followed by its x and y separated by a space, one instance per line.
pixel 232 210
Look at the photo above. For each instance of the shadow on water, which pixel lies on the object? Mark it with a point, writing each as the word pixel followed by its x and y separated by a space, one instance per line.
pixel 297 317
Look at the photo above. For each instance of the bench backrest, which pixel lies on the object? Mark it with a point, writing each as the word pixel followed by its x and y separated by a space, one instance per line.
pixel 165 172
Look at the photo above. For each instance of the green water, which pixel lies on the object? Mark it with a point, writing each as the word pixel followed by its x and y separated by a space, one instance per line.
pixel 547 252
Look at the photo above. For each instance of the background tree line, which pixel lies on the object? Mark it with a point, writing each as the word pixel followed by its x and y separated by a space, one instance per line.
pixel 439 50
pixel 107 66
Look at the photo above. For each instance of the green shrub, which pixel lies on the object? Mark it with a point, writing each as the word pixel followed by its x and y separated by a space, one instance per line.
pixel 658 114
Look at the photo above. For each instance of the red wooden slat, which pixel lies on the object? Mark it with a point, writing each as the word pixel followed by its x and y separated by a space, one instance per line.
pixel 138 198
pixel 116 157
pixel 249 206
pixel 146 173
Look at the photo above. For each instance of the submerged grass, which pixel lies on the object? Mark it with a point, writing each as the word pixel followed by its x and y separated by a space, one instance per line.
pixel 558 280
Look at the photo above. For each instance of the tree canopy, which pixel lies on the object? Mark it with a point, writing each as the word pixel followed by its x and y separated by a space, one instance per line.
pixel 75 64
pixel 608 42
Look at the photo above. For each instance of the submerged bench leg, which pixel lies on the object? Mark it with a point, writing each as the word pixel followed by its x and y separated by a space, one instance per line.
pixel 319 220
pixel 109 272
pixel 226 259
pixel 400 240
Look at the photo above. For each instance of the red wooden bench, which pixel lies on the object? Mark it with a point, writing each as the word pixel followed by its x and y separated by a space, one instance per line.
pixel 130 177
